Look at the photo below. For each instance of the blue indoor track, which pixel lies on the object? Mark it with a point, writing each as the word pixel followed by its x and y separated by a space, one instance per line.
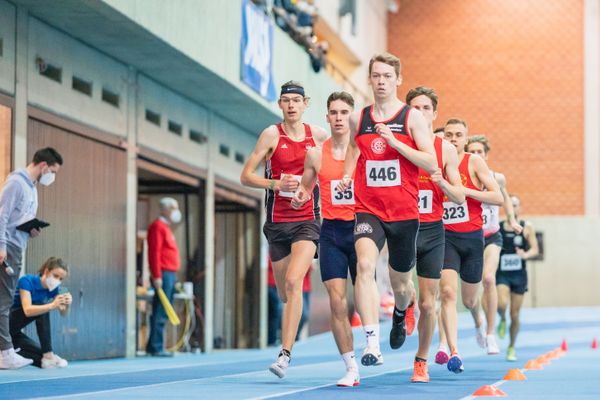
pixel 242 374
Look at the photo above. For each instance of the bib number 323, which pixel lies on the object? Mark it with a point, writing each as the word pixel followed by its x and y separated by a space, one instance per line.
pixel 455 213
pixel 383 173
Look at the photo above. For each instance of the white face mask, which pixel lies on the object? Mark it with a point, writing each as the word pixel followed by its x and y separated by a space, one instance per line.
pixel 175 216
pixel 47 179
pixel 52 282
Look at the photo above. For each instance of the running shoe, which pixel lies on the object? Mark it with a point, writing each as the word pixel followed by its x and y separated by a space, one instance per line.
pixel 455 364
pixel 280 366
pixel 511 354
pixel 398 332
pixel 441 357
pixel 492 346
pixel 371 356
pixel 502 329
pixel 351 379
pixel 420 373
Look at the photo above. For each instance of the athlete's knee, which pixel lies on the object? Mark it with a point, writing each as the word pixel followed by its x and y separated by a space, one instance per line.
pixel 489 281
pixel 470 302
pixel 339 307
pixel 448 294
pixel 365 268
pixel 292 287
pixel 514 316
pixel 427 306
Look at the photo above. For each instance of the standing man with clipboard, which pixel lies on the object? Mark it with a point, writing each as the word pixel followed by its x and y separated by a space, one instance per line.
pixel 18 206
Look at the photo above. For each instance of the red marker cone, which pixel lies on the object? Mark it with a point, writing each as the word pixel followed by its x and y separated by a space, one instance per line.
pixel 594 344
pixel 563 345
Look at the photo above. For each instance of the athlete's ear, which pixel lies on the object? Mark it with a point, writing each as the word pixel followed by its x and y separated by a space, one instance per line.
pixel 399 81
pixel 434 115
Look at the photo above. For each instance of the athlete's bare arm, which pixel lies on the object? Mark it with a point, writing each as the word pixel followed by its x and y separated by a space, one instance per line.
pixel 529 234
pixel 320 135
pixel 424 156
pixel 452 185
pixel 352 154
pixel 265 146
pixel 312 166
pixel 479 169
pixel 508 206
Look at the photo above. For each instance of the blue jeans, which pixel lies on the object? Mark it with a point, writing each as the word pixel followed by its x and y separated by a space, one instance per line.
pixel 159 315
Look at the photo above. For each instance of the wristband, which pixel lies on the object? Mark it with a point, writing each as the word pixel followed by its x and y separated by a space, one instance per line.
pixel 272 184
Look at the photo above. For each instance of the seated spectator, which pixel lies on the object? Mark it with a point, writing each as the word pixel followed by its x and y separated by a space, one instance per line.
pixel 35 297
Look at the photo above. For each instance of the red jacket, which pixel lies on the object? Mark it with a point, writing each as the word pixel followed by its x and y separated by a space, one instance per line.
pixel 163 254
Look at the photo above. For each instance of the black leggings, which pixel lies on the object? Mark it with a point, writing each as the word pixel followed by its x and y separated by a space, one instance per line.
pixel 29 348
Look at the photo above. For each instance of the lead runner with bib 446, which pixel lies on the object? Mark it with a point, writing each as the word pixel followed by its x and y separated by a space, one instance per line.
pixel 464 236
pixel 293 234
pixel 391 142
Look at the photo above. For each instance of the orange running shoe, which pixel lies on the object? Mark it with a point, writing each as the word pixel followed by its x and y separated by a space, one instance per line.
pixel 410 316
pixel 420 373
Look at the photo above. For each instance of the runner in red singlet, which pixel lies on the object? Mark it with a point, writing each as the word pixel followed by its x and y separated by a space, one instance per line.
pixel 389 145
pixel 337 256
pixel 293 234
pixel 463 253
pixel 430 240
pixel 486 338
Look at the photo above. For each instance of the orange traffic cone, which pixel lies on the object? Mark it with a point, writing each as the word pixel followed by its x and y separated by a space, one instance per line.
pixel 542 360
pixel 533 365
pixel 594 344
pixel 563 345
pixel 514 374
pixel 490 391
pixel 355 320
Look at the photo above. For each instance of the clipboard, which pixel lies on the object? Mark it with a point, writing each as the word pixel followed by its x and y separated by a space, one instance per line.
pixel 32 224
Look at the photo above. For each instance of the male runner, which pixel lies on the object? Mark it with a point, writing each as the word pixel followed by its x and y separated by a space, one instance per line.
pixel 430 240
pixel 463 252
pixel 511 277
pixel 389 145
pixel 292 234
pixel 336 244
pixel 491 255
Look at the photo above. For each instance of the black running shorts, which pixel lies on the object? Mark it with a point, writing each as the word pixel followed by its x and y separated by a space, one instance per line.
pixel 430 249
pixel 401 238
pixel 464 254
pixel 281 235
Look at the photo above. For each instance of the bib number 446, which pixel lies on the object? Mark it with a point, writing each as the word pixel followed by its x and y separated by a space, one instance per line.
pixel 383 173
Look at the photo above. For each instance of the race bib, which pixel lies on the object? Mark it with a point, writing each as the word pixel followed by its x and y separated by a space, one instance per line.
pixel 341 198
pixel 425 201
pixel 455 213
pixel 290 194
pixel 383 173
pixel 511 262
pixel 486 215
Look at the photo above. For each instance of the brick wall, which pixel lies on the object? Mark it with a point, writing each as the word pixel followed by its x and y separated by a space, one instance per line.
pixel 514 71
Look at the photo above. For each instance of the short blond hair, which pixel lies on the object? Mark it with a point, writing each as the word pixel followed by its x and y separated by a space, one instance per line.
pixel 480 139
pixel 386 58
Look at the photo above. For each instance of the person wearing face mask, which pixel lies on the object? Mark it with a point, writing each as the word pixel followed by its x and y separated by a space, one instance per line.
pixel 18 204
pixel 163 258
pixel 35 297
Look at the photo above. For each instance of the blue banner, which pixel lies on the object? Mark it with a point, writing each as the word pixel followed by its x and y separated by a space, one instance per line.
pixel 257 50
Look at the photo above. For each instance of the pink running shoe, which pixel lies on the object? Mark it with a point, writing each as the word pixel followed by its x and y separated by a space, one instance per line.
pixel 441 357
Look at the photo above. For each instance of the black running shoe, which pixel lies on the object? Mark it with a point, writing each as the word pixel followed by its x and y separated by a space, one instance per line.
pixel 398 334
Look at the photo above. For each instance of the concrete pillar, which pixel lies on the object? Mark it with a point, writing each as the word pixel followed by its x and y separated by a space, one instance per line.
pixel 132 194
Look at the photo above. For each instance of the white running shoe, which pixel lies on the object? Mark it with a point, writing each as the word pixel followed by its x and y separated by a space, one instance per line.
pixel 280 366
pixel 352 378
pixel 481 334
pixel 54 362
pixel 371 356
pixel 492 346
pixel 9 359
